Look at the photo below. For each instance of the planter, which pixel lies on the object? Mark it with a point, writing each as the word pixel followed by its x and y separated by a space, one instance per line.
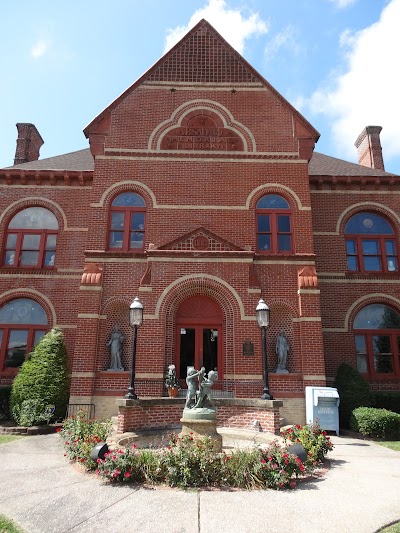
pixel 173 392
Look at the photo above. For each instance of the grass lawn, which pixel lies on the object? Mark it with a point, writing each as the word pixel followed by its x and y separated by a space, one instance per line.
pixel 8 438
pixel 8 526
pixel 393 445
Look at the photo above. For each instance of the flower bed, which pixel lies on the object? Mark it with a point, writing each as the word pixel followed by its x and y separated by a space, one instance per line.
pixel 189 462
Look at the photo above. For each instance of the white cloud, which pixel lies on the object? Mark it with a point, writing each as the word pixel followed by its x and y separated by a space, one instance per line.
pixel 39 49
pixel 367 92
pixel 341 4
pixel 284 39
pixel 230 23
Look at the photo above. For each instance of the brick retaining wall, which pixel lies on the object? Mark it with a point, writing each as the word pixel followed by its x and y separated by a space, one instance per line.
pixel 150 413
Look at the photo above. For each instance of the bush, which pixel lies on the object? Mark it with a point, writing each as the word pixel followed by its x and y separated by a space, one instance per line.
pixel 376 422
pixel 313 439
pixel 5 393
pixel 186 462
pixel 353 392
pixel 387 400
pixel 81 436
pixel 42 381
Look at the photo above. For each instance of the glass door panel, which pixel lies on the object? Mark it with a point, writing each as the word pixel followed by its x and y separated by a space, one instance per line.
pixel 210 349
pixel 187 350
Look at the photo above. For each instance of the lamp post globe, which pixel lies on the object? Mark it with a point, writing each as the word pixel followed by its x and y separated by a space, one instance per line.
pixel 262 315
pixel 135 320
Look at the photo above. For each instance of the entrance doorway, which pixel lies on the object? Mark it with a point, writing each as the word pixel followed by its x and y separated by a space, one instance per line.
pixel 199 336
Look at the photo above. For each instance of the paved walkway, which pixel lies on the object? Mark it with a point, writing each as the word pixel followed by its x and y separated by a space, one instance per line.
pixel 41 491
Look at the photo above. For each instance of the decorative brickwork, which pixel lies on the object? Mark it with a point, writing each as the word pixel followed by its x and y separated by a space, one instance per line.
pixel 203 57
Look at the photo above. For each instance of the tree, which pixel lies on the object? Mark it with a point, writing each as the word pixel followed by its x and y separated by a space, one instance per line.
pixel 353 391
pixel 42 381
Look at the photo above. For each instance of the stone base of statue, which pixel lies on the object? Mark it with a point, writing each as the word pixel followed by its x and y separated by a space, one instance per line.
pixel 281 371
pixel 201 422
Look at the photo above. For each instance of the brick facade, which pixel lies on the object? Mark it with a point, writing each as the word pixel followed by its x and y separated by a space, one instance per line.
pixel 201 141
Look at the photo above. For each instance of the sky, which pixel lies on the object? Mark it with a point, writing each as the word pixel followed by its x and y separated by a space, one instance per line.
pixel 336 61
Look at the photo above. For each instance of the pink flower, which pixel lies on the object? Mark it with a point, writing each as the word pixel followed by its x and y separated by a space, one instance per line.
pixel 292 484
pixel 127 474
pixel 115 474
pixel 263 461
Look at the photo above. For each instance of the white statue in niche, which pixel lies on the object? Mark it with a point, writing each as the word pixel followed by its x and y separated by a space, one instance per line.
pixel 282 349
pixel 115 344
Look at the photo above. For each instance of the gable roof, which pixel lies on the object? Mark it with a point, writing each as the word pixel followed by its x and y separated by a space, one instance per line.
pixel 320 165
pixel 79 160
pixel 202 56
pixel 325 165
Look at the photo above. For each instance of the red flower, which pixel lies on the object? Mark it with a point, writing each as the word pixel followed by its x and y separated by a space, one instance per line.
pixel 298 426
pixel 263 461
pixel 58 430
pixel 292 484
pixel 127 474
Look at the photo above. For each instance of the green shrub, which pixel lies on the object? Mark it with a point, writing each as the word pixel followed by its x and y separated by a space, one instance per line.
pixel 5 393
pixel 42 381
pixel 81 436
pixel 376 422
pixel 353 392
pixel 187 461
pixel 387 400
pixel 314 440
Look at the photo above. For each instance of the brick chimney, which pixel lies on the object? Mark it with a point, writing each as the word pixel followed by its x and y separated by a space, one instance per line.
pixel 369 148
pixel 28 143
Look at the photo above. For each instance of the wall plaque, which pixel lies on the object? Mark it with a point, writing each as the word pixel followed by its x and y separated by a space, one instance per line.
pixel 248 348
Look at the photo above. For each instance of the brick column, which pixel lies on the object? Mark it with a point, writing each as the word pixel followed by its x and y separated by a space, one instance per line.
pixel 310 329
pixel 84 363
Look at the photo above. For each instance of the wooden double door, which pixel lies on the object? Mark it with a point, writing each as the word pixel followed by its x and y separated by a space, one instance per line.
pixel 198 340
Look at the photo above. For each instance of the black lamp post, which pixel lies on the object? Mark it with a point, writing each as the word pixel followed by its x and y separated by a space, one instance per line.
pixel 135 319
pixel 262 314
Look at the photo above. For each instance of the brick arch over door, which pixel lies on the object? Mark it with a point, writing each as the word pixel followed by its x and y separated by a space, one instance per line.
pixel 221 297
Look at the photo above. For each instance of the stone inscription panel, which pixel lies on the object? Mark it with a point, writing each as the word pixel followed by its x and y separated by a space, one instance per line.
pixel 201 133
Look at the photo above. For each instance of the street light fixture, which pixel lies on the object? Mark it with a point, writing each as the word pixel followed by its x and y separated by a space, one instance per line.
pixel 135 319
pixel 262 314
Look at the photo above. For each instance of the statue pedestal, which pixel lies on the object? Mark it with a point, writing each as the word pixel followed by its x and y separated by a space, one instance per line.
pixel 201 422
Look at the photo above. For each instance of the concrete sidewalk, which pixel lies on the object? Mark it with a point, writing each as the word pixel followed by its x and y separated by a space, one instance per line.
pixel 41 491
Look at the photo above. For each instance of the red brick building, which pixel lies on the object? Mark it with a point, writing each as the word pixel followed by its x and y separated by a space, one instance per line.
pixel 201 193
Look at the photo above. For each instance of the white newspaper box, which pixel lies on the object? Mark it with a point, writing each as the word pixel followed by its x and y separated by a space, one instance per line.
pixel 322 405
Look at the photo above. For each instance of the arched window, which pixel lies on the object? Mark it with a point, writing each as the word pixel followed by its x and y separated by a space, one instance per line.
pixel 127 219
pixel 22 323
pixel 377 339
pixel 274 225
pixel 370 244
pixel 31 239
